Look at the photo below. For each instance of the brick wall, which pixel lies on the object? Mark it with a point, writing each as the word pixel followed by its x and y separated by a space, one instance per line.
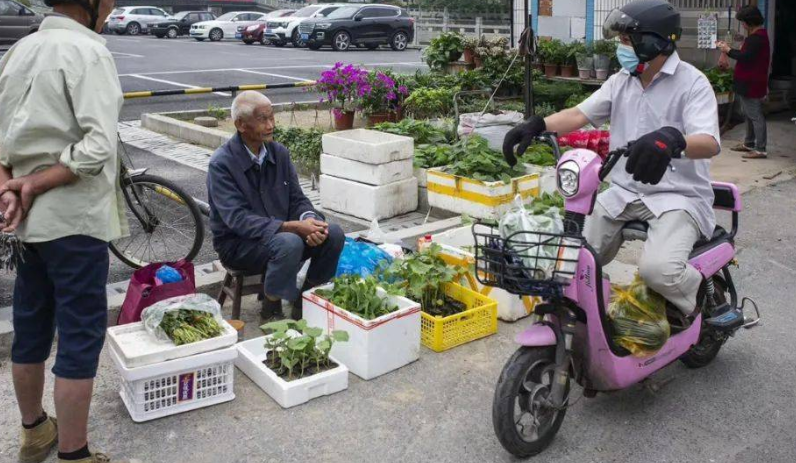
pixel 546 7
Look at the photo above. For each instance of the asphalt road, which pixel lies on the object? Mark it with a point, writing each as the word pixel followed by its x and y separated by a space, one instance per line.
pixel 149 63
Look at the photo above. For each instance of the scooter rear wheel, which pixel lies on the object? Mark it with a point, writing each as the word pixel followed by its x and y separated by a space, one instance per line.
pixel 523 424
pixel 710 341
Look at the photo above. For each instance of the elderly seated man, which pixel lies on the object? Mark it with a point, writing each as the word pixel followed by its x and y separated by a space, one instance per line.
pixel 260 218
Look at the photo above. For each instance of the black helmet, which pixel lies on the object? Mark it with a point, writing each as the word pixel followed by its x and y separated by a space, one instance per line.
pixel 652 25
pixel 91 9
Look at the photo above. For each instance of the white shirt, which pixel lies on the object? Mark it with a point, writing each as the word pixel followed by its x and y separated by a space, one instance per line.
pixel 680 96
pixel 60 99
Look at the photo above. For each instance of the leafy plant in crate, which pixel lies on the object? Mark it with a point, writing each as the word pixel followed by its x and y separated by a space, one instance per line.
pixel 474 159
pixel 421 131
pixel 296 350
pixel 359 296
pixel 443 49
pixel 422 276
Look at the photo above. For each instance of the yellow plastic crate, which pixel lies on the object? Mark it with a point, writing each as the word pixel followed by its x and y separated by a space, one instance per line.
pixel 479 320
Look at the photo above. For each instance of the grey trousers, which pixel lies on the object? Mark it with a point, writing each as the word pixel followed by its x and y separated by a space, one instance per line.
pixel 664 263
pixel 755 123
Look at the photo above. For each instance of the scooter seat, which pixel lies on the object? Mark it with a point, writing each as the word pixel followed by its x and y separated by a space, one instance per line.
pixel 637 230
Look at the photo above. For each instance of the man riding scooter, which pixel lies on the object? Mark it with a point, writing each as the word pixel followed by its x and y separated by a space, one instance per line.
pixel 667 110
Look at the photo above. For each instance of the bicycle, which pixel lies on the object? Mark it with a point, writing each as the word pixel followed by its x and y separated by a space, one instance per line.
pixel 165 222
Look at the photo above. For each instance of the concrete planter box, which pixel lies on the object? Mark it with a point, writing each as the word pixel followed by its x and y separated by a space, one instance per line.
pixel 371 174
pixel 367 201
pixel 368 146
pixel 186 131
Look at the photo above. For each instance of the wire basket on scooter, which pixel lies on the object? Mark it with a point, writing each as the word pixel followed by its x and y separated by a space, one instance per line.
pixel 526 263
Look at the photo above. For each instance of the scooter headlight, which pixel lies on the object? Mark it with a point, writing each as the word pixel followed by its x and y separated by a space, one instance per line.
pixel 569 178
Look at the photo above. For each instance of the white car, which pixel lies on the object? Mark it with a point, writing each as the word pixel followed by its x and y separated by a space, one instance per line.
pixel 280 31
pixel 134 20
pixel 225 25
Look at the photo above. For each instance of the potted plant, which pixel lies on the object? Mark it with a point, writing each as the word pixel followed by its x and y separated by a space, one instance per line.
pixel 341 85
pixel 292 362
pixel 604 50
pixel 384 328
pixel 552 54
pixel 570 60
pixel 585 60
pixel 443 49
pixel 430 103
pixel 452 314
pixel 470 44
pixel 379 96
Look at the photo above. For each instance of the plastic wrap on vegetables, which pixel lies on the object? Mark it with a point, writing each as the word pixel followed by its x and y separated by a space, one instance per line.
pixel 184 319
pixel 638 315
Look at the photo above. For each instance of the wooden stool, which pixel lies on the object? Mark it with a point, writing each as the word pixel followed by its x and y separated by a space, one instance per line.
pixel 238 284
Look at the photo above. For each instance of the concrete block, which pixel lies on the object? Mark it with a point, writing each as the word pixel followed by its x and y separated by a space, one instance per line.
pixel 186 131
pixel 371 174
pixel 368 146
pixel 555 27
pixel 570 8
pixel 367 201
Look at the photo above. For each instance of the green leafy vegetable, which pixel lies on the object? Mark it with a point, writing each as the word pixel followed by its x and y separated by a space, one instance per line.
pixel 544 202
pixel 359 296
pixel 188 326
pixel 423 132
pixel 474 159
pixel 540 154
pixel 295 349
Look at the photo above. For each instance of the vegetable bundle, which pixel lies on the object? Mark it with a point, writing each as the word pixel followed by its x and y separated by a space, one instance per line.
pixel 185 326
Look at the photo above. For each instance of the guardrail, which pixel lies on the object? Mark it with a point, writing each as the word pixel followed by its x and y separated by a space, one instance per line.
pixel 200 90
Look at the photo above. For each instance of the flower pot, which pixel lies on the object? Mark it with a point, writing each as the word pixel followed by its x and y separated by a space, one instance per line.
pixel 585 62
pixel 602 74
pixel 550 70
pixel 602 62
pixel 539 67
pixel 469 56
pixel 567 70
pixel 374 119
pixel 396 116
pixel 584 73
pixel 454 56
pixel 478 61
pixel 343 120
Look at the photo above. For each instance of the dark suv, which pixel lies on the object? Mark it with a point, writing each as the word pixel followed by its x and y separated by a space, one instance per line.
pixel 366 25
pixel 180 23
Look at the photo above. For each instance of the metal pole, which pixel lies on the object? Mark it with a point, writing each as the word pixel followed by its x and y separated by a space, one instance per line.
pixel 528 87
pixel 511 21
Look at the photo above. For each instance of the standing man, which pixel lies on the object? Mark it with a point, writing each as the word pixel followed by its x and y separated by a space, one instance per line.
pixel 668 108
pixel 751 79
pixel 260 218
pixel 60 98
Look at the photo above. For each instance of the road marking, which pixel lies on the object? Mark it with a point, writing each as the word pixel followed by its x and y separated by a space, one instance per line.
pixel 309 66
pixel 272 75
pixel 169 82
pixel 126 54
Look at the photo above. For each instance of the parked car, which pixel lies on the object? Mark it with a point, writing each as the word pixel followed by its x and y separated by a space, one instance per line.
pixel 284 30
pixel 134 20
pixel 17 21
pixel 225 25
pixel 254 32
pixel 364 25
pixel 180 23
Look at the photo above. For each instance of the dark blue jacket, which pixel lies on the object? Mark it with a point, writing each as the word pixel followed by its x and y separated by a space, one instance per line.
pixel 251 203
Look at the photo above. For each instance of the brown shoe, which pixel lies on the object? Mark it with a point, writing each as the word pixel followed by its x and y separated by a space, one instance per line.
pixel 39 441
pixel 98 458
pixel 754 154
pixel 741 148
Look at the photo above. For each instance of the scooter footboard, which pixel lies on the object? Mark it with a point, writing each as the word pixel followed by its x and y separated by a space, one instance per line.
pixel 714 259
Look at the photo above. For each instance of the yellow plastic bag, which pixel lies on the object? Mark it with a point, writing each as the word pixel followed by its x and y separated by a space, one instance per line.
pixel 638 315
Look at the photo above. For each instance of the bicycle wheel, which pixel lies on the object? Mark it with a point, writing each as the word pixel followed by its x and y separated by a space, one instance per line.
pixel 165 223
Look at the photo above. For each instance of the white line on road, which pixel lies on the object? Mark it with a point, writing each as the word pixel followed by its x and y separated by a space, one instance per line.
pixel 309 66
pixel 126 54
pixel 249 71
pixel 176 84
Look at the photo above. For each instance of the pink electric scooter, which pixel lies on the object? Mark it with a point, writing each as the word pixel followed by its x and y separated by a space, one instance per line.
pixel 571 335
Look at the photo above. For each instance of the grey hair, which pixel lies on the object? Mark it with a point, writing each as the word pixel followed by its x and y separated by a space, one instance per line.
pixel 244 104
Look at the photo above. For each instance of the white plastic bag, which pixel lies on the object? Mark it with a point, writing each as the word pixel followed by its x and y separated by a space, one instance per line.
pixel 375 234
pixel 523 229
pixel 153 315
pixel 493 127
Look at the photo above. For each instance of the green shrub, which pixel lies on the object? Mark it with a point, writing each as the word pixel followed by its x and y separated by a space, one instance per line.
pixel 304 145
pixel 443 49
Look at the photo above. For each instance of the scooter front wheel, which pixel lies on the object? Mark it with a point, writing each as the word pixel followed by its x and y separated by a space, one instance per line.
pixel 524 423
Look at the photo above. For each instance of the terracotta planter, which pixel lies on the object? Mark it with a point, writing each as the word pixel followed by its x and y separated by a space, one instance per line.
pixel 538 66
pixel 343 120
pixel 568 71
pixel 396 116
pixel 374 119
pixel 469 56
pixel 602 74
pixel 550 70
pixel 478 61
pixel 584 73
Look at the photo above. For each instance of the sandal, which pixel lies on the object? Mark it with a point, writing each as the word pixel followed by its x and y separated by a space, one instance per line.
pixel 754 154
pixel 741 148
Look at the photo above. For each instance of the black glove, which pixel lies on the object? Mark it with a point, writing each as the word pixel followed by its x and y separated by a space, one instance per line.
pixel 649 156
pixel 524 135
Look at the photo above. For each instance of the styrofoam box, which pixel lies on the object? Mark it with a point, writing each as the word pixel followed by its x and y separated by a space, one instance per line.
pixel 371 174
pixel 178 385
pixel 136 347
pixel 288 393
pixel 367 201
pixel 421 176
pixel 459 243
pixel 547 177
pixel 481 200
pixel 368 146
pixel 374 347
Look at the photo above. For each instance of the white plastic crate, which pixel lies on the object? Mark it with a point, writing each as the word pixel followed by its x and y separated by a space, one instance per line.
pixel 367 201
pixel 177 386
pixel 370 146
pixel 137 348
pixel 362 172
pixel 288 393
pixel 374 347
